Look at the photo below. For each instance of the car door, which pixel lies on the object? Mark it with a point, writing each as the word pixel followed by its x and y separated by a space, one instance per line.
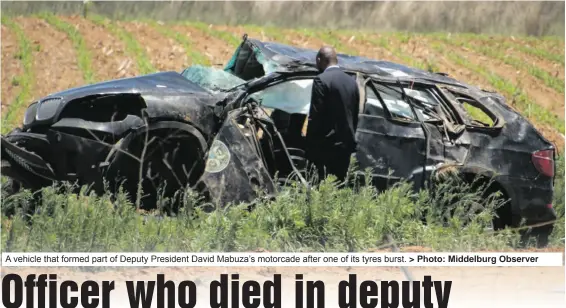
pixel 391 140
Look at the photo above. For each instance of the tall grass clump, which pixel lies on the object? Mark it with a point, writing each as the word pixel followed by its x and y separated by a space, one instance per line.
pixel 324 218
pixel 558 234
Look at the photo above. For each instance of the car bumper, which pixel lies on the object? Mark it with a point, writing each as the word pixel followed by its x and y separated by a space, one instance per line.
pixel 531 199
pixel 27 161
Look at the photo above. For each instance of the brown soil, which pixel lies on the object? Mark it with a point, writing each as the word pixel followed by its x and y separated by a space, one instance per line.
pixel 55 64
pixel 551 46
pixel 108 53
pixel 238 31
pixel 217 51
pixel 541 94
pixel 421 50
pixel 164 53
pixel 11 67
pixel 302 40
pixel 553 68
pixel 365 48
pixel 54 58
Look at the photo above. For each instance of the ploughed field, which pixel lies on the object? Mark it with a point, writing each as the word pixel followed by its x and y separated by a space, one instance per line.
pixel 46 53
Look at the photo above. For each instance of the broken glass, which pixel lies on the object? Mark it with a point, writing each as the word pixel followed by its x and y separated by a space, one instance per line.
pixel 211 78
pixel 291 96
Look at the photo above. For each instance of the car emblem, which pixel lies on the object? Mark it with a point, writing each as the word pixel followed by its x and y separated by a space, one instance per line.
pixel 218 157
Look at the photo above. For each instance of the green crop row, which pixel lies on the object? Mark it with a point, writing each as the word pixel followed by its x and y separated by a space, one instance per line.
pixel 494 52
pixel 84 56
pixel 520 100
pixel 25 81
pixel 132 46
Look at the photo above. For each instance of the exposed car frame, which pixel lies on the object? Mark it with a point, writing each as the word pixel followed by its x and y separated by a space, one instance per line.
pixel 412 123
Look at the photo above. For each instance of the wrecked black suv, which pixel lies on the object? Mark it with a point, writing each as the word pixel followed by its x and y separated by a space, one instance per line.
pixel 233 133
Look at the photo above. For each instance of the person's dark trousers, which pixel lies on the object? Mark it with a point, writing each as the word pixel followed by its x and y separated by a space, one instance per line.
pixel 329 160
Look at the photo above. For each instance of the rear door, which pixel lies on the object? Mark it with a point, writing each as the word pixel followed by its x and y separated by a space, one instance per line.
pixel 391 140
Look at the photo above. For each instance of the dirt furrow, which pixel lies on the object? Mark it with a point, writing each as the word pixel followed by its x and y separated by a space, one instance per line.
pixel 299 39
pixel 541 94
pixel 217 51
pixel 164 53
pixel 239 31
pixel 109 58
pixel 366 48
pixel 551 46
pixel 11 67
pixel 54 58
pixel 555 69
pixel 420 49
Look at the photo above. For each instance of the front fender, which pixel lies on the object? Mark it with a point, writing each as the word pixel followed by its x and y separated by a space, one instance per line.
pixel 234 171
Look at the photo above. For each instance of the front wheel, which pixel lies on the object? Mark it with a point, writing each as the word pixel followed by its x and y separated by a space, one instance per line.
pixel 172 161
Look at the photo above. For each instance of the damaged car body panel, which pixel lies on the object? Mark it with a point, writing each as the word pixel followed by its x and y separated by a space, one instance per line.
pixel 414 123
pixel 70 135
pixel 239 131
pixel 235 171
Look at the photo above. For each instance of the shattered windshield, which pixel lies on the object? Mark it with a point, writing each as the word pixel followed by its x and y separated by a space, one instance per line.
pixel 213 79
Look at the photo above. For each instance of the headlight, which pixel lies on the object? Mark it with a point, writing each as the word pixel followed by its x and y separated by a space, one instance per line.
pixel 30 114
pixel 48 108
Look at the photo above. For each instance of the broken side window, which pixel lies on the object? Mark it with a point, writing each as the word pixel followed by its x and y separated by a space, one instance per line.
pixel 392 97
pixel 373 105
pixel 426 103
pixel 476 112
pixel 292 96
pixel 210 78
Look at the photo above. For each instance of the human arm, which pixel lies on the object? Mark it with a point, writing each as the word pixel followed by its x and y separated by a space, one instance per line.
pixel 318 97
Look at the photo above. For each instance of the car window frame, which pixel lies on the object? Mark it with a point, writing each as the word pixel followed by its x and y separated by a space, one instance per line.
pixel 498 120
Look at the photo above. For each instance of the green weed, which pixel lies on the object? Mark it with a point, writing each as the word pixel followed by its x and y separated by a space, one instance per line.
pixel 326 219
pixel 229 38
pixel 519 99
pixel 408 59
pixel 557 236
pixel 272 32
pixel 331 38
pixel 195 56
pixel 132 46
pixel 84 56
pixel 550 81
pixel 538 47
pixel 26 80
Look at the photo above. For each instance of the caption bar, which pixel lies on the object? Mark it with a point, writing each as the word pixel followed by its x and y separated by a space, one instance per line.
pixel 281 259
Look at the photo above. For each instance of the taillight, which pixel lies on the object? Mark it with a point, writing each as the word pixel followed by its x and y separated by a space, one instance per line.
pixel 544 162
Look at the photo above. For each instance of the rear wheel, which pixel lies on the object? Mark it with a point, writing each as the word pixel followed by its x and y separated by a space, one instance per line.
pixel 446 189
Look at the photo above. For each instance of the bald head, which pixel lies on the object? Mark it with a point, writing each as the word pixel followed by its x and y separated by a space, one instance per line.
pixel 325 57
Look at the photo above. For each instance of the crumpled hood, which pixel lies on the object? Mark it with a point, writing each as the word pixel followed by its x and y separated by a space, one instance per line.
pixel 162 83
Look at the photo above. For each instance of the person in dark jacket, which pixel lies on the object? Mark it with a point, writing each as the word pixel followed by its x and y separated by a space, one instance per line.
pixel 333 117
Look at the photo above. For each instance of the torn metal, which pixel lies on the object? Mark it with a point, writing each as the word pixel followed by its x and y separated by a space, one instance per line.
pixel 236 133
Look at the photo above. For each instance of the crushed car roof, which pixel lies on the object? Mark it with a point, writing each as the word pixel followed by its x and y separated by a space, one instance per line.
pixel 288 58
